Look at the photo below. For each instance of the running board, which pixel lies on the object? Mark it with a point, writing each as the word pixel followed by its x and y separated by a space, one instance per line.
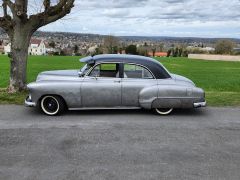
pixel 102 108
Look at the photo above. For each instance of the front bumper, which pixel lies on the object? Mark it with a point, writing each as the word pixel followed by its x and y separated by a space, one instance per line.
pixel 200 104
pixel 29 103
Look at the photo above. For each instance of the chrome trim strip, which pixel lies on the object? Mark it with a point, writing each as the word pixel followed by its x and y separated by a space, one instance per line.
pixel 90 70
pixel 103 108
pixel 143 67
pixel 115 62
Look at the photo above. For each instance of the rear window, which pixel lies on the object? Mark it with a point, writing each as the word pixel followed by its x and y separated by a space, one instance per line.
pixel 136 71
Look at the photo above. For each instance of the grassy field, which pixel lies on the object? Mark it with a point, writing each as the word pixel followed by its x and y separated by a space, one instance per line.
pixel 220 80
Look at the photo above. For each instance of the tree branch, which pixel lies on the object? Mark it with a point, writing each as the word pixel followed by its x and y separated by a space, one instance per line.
pixel 6 20
pixel 51 14
pixel 4 5
pixel 46 4
pixel 55 9
pixel 21 8
pixel 8 3
pixel 6 23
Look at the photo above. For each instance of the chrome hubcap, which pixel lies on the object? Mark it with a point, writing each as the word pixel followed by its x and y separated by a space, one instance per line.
pixel 50 105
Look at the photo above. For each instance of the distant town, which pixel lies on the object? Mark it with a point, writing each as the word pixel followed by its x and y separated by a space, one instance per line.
pixel 63 43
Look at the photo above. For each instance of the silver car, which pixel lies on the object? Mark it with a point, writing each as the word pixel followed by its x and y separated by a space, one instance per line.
pixel 113 82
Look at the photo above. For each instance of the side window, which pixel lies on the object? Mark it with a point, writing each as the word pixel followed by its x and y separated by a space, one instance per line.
pixel 105 70
pixel 136 71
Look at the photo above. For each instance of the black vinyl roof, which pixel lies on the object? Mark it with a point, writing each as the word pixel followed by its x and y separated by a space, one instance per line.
pixel 156 67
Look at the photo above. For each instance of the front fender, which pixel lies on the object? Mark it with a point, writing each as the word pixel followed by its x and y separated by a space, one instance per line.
pixel 69 91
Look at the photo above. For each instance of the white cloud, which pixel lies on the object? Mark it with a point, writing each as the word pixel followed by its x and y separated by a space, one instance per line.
pixel 115 13
pixel 216 18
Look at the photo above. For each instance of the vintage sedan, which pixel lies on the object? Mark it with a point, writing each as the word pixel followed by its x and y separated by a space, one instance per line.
pixel 113 82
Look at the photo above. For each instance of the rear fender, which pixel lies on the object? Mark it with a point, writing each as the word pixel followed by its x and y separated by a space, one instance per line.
pixel 147 95
pixel 177 97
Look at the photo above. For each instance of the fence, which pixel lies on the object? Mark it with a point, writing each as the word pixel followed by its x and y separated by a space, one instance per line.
pixel 214 57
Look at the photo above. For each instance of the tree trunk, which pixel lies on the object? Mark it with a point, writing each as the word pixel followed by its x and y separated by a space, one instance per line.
pixel 20 26
pixel 18 63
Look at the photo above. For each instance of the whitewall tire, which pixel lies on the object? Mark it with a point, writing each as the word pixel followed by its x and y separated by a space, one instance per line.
pixel 163 111
pixel 52 105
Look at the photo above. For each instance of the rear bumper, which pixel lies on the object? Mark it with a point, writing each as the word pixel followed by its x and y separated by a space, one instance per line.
pixel 29 103
pixel 200 104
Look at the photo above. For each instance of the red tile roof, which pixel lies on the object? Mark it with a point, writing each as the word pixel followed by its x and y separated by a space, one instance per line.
pixel 35 41
pixel 158 54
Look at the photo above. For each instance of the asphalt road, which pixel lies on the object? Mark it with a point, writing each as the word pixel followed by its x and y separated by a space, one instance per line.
pixel 117 144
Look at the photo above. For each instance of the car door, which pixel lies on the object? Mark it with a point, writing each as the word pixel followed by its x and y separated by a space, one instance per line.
pixel 102 86
pixel 135 78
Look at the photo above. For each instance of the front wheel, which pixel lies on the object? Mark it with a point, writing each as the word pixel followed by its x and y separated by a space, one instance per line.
pixel 52 105
pixel 163 111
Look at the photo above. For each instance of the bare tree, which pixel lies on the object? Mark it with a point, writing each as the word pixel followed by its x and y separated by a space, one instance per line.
pixel 224 46
pixel 111 43
pixel 161 47
pixel 154 51
pixel 20 26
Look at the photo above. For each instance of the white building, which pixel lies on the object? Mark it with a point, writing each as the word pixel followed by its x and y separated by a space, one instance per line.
pixel 205 49
pixel 92 50
pixel 208 49
pixel 7 49
pixel 36 47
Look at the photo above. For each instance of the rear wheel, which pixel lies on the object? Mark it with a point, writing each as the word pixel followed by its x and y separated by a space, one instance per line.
pixel 163 111
pixel 52 105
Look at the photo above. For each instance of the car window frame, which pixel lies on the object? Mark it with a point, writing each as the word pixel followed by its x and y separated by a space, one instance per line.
pixel 140 66
pixel 121 69
pixel 97 64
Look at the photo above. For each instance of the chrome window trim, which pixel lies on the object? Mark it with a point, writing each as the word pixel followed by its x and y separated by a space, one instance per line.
pixel 90 70
pixel 140 66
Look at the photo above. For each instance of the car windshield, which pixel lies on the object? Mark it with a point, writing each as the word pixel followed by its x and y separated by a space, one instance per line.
pixel 84 69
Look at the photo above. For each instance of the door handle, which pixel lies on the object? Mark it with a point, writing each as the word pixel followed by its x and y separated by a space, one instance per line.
pixel 117 81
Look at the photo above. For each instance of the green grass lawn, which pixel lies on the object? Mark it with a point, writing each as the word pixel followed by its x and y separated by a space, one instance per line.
pixel 37 64
pixel 220 80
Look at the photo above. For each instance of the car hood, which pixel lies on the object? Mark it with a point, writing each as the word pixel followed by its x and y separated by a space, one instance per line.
pixel 58 75
pixel 182 79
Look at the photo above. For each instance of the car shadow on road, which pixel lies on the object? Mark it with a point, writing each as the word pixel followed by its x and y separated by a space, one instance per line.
pixel 176 112
pixel 121 112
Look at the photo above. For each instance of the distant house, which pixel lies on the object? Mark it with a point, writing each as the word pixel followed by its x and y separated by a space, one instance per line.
pixel 208 49
pixel 92 50
pixel 237 50
pixel 203 49
pixel 37 47
pixel 158 54
pixel 7 49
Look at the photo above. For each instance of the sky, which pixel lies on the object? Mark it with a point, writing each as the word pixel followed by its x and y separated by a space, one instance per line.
pixel 179 18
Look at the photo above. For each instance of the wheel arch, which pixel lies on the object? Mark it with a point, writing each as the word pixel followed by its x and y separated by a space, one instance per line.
pixel 42 96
